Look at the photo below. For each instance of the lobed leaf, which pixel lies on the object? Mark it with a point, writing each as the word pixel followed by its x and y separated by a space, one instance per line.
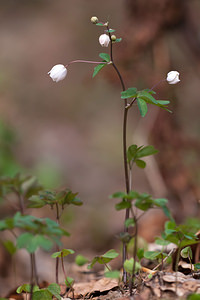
pixel 146 96
pixel 55 290
pixel 62 253
pixel 123 205
pixel 129 93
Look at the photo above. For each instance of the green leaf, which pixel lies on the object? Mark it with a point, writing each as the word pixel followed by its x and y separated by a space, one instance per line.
pixel 119 195
pixel 128 266
pixel 163 102
pixel 146 151
pixel 112 274
pixel 129 93
pixel 123 205
pixel 31 243
pixel 110 254
pixel 54 289
pixel 93 262
pixel 99 24
pixel 81 260
pixel 43 294
pixel 26 288
pixel 172 239
pixel 160 202
pixel 140 163
pixel 118 40
pixel 105 56
pixel 97 69
pixel 186 252
pixel 140 253
pixel 131 153
pixel 125 237
pixel 42 241
pixel 69 281
pixel 36 202
pixel 62 253
pixel 129 222
pixel 142 106
pixel 150 91
pixel 103 259
pixel 144 202
pixel 24 240
pixel 197 266
pixel 10 247
pixel 161 242
pixel 170 227
pixel 152 255
pixel 111 30
pixel 7 224
pixel 147 97
pixel 194 297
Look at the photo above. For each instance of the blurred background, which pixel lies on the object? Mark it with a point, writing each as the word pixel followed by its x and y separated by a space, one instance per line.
pixel 69 134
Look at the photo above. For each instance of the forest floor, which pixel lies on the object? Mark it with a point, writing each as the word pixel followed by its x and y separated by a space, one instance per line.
pixel 162 285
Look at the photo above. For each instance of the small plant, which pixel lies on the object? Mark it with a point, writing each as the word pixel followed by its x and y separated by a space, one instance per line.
pixel 57 201
pixel 131 200
pixel 30 232
pixel 33 232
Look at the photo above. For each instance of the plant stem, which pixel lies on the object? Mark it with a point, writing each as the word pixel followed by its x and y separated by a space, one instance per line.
pixel 57 247
pixel 35 270
pixel 85 61
pixel 134 252
pixel 65 275
pixel 32 276
pixel 124 138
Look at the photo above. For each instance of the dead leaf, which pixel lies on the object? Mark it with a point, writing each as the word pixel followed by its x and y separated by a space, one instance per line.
pixel 88 288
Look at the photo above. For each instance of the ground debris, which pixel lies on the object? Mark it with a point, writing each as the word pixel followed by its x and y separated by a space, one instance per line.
pixel 171 285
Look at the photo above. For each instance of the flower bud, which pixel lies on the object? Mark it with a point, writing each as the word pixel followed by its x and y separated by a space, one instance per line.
pixel 104 40
pixel 173 77
pixel 113 38
pixel 58 72
pixel 94 20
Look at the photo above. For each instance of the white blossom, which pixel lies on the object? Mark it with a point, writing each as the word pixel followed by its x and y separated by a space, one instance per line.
pixel 104 40
pixel 58 72
pixel 173 77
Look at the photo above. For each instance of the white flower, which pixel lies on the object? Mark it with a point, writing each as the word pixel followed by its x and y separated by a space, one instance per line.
pixel 173 77
pixel 104 40
pixel 58 72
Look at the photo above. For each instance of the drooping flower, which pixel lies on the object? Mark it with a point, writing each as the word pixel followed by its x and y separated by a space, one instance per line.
pixel 94 20
pixel 104 40
pixel 58 72
pixel 173 77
